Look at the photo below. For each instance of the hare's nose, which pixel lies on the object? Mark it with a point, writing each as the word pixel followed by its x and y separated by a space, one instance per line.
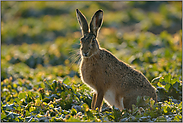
pixel 85 54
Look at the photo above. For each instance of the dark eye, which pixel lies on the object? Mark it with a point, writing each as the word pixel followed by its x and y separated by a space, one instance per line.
pixel 93 41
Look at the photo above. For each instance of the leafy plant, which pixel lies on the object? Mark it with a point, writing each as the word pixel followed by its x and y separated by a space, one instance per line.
pixel 40 58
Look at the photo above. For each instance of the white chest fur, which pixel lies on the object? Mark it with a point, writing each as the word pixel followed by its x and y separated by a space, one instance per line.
pixel 110 99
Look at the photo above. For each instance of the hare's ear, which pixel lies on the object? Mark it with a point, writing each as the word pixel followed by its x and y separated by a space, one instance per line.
pixel 82 21
pixel 96 22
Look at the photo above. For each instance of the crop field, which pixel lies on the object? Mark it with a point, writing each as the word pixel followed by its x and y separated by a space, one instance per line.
pixel 40 56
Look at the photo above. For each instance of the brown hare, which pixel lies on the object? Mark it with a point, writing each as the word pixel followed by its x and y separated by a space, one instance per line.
pixel 111 79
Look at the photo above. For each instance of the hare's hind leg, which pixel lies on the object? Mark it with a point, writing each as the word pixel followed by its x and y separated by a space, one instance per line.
pixel 94 99
pixel 129 100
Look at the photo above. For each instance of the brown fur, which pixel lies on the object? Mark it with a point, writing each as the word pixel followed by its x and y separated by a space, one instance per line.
pixel 102 71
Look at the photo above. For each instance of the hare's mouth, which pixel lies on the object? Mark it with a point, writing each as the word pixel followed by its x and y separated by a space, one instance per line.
pixel 85 55
pixel 89 55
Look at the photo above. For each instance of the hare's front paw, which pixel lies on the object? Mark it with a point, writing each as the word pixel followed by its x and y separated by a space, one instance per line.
pixel 93 101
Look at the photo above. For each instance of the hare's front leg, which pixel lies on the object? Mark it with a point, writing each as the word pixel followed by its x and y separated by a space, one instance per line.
pixel 94 99
pixel 100 96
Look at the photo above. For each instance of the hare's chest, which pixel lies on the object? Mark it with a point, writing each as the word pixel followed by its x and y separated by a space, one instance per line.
pixel 89 70
pixel 89 75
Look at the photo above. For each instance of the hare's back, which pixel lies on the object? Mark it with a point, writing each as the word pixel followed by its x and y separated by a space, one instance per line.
pixel 122 76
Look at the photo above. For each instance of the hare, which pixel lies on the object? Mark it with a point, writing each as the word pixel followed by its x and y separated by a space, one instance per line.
pixel 110 78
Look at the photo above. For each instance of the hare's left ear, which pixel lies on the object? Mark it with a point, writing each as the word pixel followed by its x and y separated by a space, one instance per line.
pixel 96 22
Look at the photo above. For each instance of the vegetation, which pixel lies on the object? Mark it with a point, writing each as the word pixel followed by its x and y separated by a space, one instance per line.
pixel 40 59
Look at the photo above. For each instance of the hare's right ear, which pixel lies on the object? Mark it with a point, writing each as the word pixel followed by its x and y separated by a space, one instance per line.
pixel 82 21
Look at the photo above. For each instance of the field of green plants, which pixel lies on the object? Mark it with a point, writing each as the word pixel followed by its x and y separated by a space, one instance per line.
pixel 40 58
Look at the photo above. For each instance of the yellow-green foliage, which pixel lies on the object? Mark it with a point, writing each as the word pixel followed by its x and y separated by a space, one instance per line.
pixel 40 57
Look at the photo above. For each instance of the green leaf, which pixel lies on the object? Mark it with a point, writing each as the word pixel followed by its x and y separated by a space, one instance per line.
pixel 29 98
pixel 32 109
pixel 66 80
pixel 54 84
pixel 73 111
pixel 85 107
pixel 167 86
pixel 173 81
pixel 47 85
pixel 22 95
pixel 47 100
pixel 72 119
pixel 178 118
pixel 159 84
pixel 167 78
pixel 3 115
pixel 90 114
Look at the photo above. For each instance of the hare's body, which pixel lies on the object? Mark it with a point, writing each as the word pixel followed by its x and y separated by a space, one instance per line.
pixel 119 83
pixel 111 79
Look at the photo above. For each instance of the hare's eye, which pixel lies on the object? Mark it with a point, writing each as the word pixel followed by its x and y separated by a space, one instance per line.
pixel 93 41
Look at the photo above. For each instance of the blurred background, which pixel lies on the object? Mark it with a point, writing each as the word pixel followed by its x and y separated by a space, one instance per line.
pixel 40 43
pixel 41 39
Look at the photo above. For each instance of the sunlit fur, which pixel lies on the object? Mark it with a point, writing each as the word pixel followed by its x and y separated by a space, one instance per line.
pixel 108 76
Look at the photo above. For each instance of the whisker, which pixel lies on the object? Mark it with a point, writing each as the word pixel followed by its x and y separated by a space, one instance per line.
pixel 73 55
pixel 79 61
pixel 74 61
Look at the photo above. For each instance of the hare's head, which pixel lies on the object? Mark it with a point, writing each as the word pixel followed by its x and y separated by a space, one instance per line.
pixel 89 43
